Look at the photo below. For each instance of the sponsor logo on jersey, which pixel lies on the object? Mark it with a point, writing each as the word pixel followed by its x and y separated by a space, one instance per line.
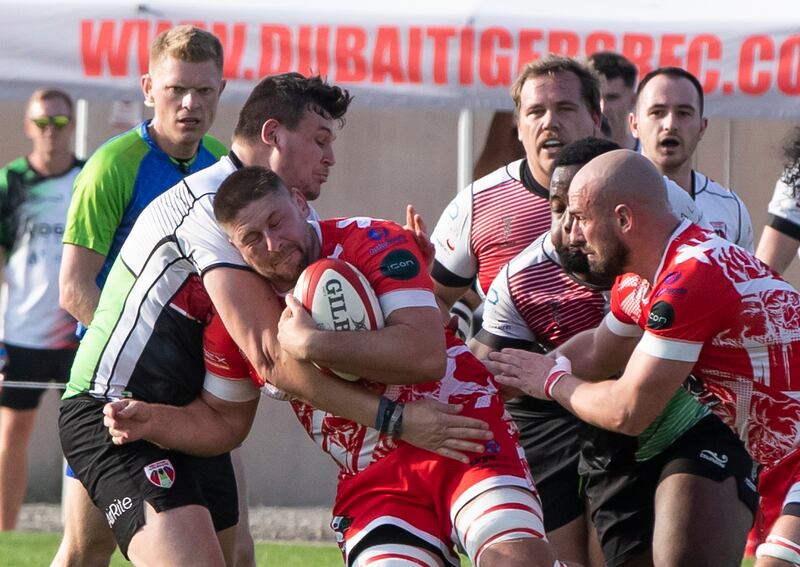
pixel 340 525
pixel 400 265
pixel 673 291
pixel 661 316
pixel 450 245
pixel 719 229
pixel 672 277
pixel 377 233
pixel 492 298
pixel 161 473
pixel 116 509
pixel 720 460
pixel 452 211
pixel 386 244
pixel 492 446
pixel 507 227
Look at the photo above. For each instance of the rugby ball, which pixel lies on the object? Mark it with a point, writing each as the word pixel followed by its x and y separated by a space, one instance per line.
pixel 339 298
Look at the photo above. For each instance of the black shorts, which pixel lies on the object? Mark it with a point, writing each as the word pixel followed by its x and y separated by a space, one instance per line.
pixel 120 479
pixel 33 365
pixel 622 491
pixel 551 437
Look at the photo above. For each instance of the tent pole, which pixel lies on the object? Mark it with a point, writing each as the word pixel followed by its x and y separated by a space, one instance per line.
pixel 727 146
pixel 466 126
pixel 82 128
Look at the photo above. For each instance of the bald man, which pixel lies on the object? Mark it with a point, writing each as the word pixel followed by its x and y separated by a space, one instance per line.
pixel 686 303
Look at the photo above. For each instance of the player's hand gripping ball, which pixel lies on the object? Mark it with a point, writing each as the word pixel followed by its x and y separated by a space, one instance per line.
pixel 339 298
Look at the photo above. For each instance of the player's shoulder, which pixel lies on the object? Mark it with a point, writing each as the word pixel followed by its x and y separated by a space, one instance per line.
pixel 362 230
pixel 18 166
pixel 121 153
pixel 704 185
pixel 214 146
pixel 540 252
pixel 499 177
pixel 207 180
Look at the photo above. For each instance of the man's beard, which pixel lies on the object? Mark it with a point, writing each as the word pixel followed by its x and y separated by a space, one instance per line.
pixel 613 264
pixel 573 260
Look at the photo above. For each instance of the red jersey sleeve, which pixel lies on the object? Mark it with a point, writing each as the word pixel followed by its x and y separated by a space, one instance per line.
pixel 229 375
pixel 390 259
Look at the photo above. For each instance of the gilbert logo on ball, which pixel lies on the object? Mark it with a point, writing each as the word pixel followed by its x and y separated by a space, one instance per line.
pixel 339 298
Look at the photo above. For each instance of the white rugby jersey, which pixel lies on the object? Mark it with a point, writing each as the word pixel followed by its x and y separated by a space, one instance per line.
pixel 145 340
pixel 33 211
pixel 533 300
pixel 487 224
pixel 784 210
pixel 724 210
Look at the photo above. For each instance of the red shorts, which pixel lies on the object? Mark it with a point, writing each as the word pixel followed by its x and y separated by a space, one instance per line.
pixel 774 485
pixel 421 492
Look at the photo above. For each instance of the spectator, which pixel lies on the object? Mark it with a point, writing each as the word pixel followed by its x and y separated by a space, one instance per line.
pixel 35 193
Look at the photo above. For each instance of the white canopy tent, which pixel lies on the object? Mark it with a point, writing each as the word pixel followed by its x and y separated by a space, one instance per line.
pixel 461 54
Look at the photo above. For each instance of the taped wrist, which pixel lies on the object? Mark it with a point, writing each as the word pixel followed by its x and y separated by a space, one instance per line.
pixel 389 420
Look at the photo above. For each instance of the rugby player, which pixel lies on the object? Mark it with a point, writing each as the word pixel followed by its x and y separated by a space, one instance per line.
pixel 686 303
pixel 396 504
pixel 669 123
pixel 183 85
pixel 34 197
pixel 557 101
pixel 780 240
pixel 539 300
pixel 145 341
pixel 618 95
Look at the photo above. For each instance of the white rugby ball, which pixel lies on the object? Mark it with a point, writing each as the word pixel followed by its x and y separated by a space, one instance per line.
pixel 339 298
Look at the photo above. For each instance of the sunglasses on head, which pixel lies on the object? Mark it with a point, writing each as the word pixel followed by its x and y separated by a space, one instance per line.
pixel 59 121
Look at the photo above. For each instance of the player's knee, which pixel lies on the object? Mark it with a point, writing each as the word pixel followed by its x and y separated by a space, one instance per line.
pixel 396 555
pixel 497 516
pixel 780 548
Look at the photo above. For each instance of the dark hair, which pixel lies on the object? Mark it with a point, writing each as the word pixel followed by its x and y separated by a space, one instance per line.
pixel 791 154
pixel 677 73
pixel 581 152
pixel 554 64
pixel 241 188
pixel 612 66
pixel 285 98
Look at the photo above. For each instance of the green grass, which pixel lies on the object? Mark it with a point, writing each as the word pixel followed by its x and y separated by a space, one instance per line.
pixel 35 549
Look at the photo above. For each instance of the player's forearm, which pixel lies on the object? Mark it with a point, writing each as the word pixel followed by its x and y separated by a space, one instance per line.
pixel 776 249
pixel 589 358
pixel 78 291
pixel 599 403
pixel 80 301
pixel 398 354
pixel 198 429
pixel 339 397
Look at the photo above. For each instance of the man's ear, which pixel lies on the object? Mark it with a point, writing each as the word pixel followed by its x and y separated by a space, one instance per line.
pixel 623 216
pixel 300 200
pixel 147 90
pixel 633 123
pixel 269 132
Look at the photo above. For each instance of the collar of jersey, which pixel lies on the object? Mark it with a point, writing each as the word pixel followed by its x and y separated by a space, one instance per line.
pixel 527 179
pixel 155 147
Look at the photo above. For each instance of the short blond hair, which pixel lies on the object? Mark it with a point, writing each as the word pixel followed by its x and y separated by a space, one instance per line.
pixel 187 43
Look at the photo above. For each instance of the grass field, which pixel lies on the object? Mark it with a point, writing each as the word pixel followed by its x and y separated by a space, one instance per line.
pixel 34 549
